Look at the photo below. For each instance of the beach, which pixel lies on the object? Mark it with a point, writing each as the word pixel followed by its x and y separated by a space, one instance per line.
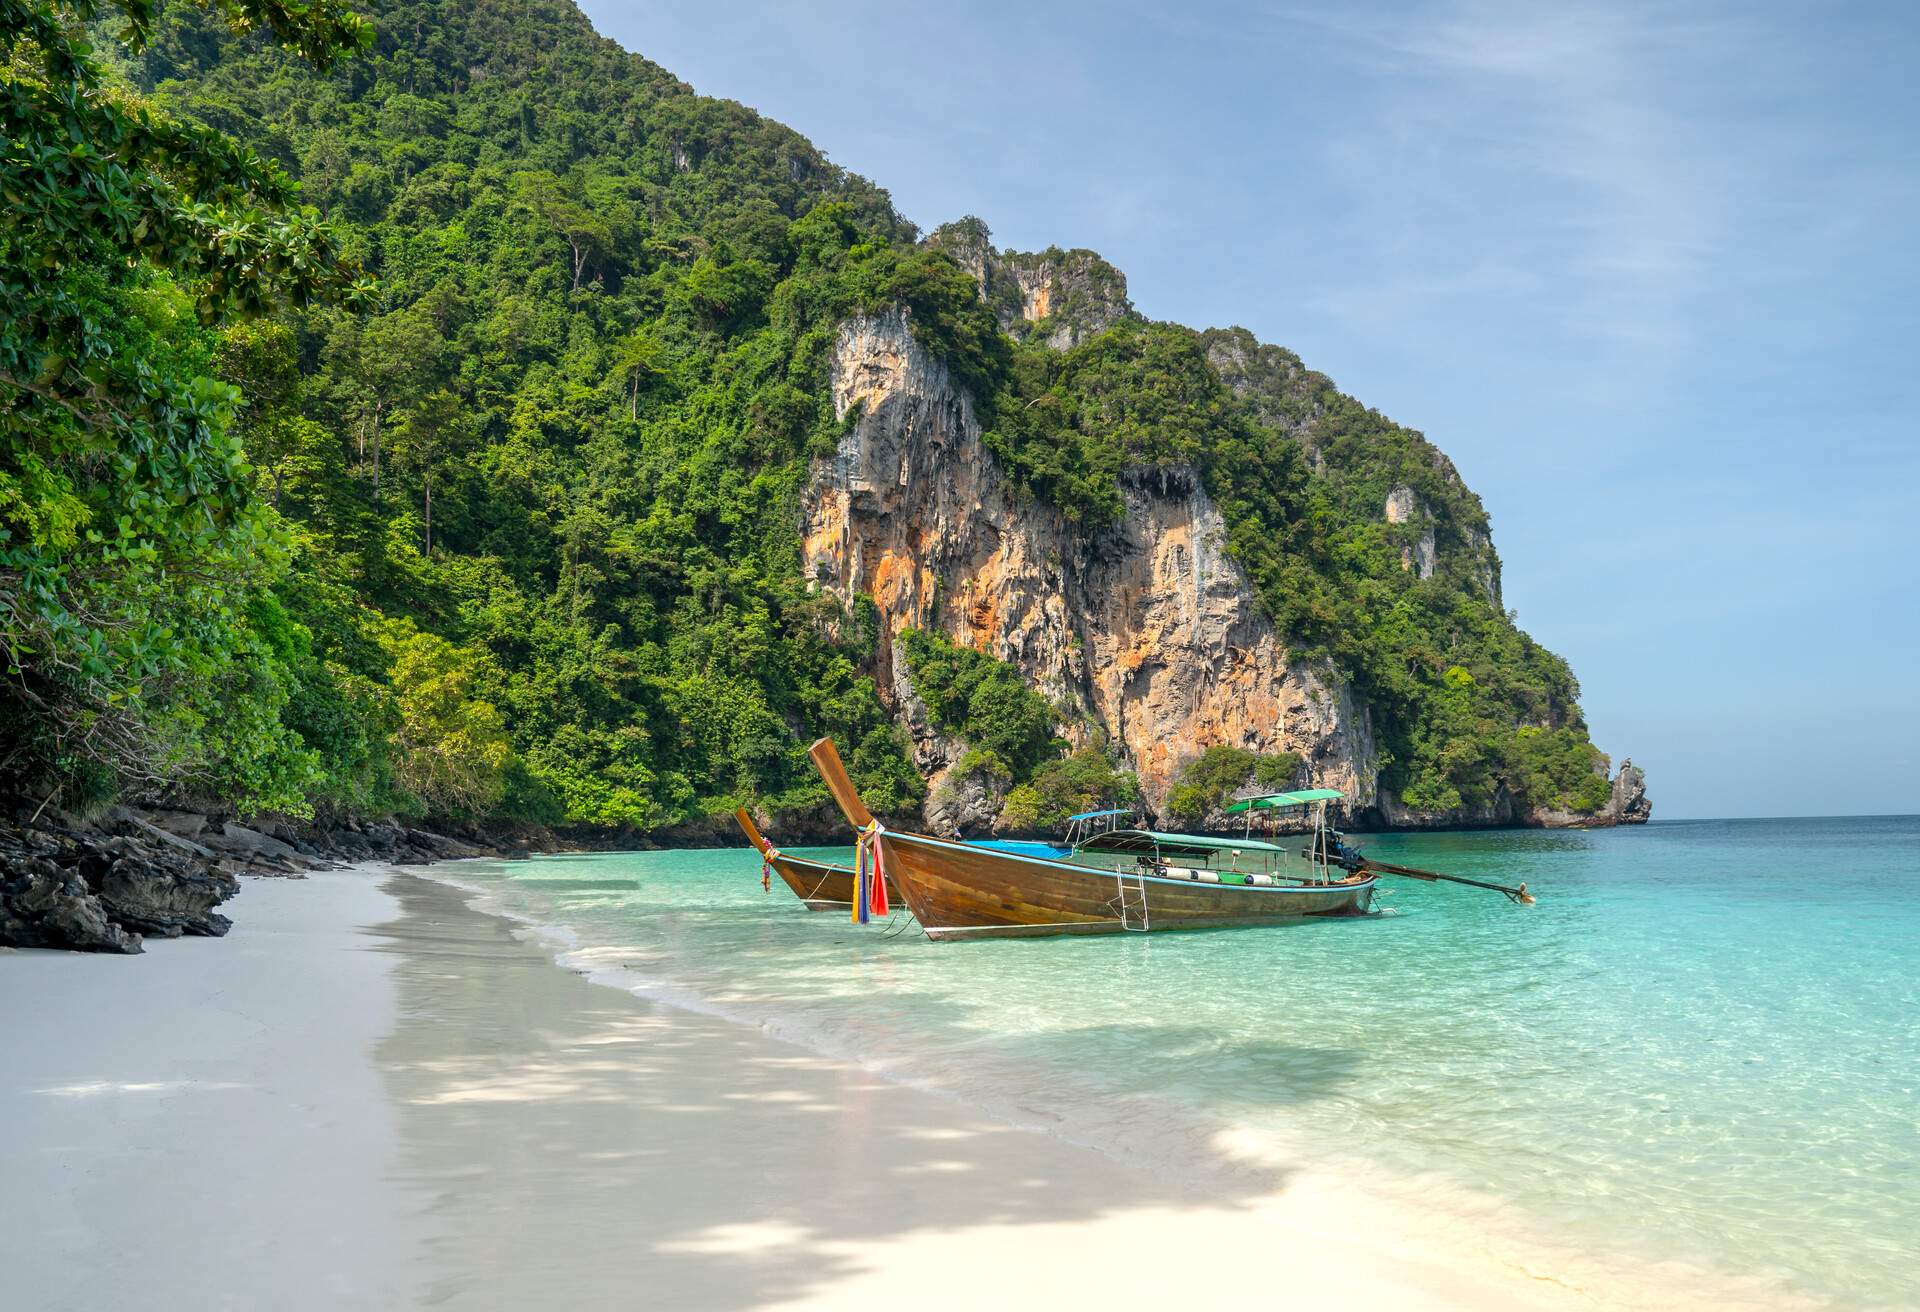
pixel 372 1094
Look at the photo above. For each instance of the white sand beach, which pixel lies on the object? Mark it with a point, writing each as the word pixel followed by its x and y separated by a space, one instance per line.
pixel 371 1095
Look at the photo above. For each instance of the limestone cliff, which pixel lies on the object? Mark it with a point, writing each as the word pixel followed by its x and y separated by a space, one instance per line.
pixel 1145 633
pixel 1146 630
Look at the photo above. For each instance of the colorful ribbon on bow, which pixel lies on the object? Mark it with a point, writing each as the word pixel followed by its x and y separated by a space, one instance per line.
pixel 766 869
pixel 869 879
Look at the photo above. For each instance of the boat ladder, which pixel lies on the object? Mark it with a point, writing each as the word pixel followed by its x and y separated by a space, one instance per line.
pixel 1130 901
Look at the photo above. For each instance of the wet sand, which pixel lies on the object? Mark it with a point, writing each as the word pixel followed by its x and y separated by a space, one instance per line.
pixel 370 1094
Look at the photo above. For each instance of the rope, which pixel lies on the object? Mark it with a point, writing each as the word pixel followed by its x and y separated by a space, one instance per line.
pixel 869 899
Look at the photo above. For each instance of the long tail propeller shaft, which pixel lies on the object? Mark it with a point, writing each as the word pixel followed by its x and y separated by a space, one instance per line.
pixel 1517 895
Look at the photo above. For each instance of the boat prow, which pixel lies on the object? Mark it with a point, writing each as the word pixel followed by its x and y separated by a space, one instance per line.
pixel 820 885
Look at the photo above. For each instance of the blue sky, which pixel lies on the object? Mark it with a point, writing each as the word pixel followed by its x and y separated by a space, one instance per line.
pixel 1649 273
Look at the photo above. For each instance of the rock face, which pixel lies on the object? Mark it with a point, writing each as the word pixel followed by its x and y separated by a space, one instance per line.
pixel 1629 804
pixel 101 886
pixel 63 888
pixel 1403 507
pixel 1068 296
pixel 1147 634
pixel 1148 631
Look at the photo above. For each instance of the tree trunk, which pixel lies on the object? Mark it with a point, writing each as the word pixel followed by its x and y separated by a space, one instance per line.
pixel 579 262
pixel 429 513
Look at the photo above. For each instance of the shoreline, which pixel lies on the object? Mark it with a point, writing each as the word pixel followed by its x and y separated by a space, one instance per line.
pixel 1285 1178
pixel 373 1091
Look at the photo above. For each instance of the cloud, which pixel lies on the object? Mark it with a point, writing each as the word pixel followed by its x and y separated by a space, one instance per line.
pixel 1559 126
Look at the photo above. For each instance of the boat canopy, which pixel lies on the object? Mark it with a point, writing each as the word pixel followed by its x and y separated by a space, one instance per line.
pixel 1300 798
pixel 1100 815
pixel 1151 843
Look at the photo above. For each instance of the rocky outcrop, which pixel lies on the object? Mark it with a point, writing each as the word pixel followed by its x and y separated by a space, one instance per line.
pixel 103 885
pixel 1147 633
pixel 1404 507
pixel 1066 296
pixel 1627 804
pixel 60 887
pixel 968 804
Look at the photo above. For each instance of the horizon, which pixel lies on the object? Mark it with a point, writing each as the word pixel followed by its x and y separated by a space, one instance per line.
pixel 1479 219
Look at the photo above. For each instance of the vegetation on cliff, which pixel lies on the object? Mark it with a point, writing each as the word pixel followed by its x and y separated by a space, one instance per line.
pixel 1010 732
pixel 509 529
pixel 1220 773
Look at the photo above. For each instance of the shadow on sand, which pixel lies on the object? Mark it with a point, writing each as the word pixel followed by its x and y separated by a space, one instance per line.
pixel 574 1144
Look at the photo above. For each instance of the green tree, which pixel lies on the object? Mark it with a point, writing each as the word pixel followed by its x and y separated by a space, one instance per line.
pixel 128 533
pixel 450 745
pixel 1213 778
pixel 429 431
pixel 563 207
pixel 983 700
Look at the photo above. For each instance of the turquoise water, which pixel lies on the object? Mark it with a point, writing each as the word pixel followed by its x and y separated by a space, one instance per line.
pixel 1701 1047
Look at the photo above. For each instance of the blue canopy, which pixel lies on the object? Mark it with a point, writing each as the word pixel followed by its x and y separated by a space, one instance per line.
pixel 1095 815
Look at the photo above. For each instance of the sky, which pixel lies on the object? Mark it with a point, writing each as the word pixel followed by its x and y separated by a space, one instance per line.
pixel 1650 274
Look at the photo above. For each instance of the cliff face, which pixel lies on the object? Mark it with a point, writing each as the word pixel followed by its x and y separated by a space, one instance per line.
pixel 1063 296
pixel 1147 629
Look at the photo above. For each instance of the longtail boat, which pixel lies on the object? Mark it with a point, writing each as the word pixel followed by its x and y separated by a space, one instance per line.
pixel 819 884
pixel 1115 881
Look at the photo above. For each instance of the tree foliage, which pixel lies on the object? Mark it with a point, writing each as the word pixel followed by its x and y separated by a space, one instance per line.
pixel 130 538
pixel 982 700
pixel 1220 773
pixel 1086 780
pixel 482 494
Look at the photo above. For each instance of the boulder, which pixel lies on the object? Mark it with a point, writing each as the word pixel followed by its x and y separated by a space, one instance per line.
pixel 240 840
pixel 169 902
pixel 63 887
pixel 174 838
pixel 45 906
pixel 187 824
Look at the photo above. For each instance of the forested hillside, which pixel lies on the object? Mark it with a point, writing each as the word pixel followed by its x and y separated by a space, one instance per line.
pixel 500 521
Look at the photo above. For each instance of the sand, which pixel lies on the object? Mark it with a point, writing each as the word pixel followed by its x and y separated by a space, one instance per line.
pixel 371 1095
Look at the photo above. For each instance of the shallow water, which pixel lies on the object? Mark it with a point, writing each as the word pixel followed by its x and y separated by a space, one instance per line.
pixel 1701 1047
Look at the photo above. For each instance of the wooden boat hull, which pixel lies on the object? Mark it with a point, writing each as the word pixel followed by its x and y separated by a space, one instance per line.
pixel 958 891
pixel 821 886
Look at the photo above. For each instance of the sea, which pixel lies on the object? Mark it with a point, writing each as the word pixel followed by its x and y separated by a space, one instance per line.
pixel 1691 1068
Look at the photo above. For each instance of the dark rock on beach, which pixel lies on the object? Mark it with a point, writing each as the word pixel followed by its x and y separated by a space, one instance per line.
pixel 100 885
pixel 65 888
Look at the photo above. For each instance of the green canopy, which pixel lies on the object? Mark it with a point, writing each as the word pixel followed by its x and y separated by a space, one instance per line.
pixel 1300 798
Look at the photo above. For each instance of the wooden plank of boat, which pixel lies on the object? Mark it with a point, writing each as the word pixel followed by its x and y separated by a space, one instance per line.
pixel 957 890
pixel 820 885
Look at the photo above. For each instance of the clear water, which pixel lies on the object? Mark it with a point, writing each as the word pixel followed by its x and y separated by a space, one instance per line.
pixel 1701 1048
